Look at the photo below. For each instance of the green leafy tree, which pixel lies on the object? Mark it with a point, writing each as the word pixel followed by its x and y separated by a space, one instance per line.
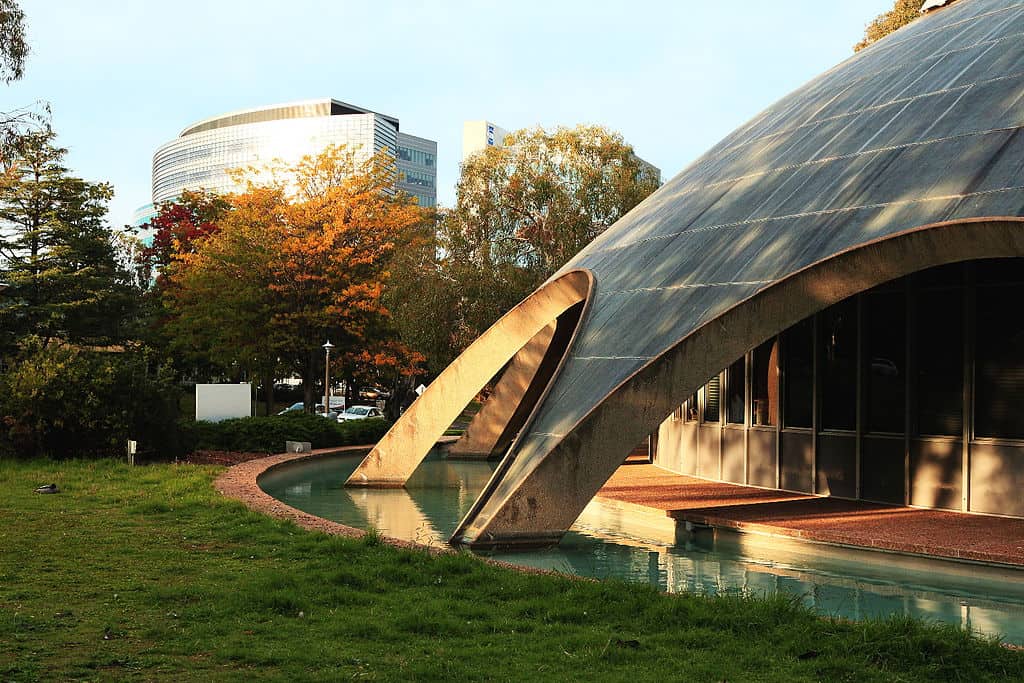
pixel 522 211
pixel 13 46
pixel 59 258
pixel 60 400
pixel 902 13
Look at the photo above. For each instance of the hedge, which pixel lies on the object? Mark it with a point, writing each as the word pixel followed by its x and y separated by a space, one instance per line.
pixel 268 434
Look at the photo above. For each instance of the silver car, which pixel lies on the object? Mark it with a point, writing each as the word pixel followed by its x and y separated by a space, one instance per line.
pixel 359 413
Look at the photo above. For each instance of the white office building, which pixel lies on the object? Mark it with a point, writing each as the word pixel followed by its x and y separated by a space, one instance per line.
pixel 203 154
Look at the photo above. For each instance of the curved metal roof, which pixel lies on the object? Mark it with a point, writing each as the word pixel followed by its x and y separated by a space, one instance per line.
pixel 276 112
pixel 907 155
pixel 921 127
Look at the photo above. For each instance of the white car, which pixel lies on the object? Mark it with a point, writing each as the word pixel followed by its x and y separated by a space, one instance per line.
pixel 359 413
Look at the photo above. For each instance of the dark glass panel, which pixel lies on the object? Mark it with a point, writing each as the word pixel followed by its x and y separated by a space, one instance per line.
pixel 885 371
pixel 690 408
pixel 939 349
pixel 950 275
pixel 837 348
pixel 999 271
pixel 798 356
pixel 764 384
pixel 999 363
pixel 712 398
pixel 734 383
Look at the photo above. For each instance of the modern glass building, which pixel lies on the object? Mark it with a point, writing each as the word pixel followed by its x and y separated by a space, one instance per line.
pixel 201 156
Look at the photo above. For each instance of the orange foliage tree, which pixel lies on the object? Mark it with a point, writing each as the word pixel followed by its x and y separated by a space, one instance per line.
pixel 295 262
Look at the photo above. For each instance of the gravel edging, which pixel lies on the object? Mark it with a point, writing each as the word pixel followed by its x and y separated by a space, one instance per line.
pixel 241 482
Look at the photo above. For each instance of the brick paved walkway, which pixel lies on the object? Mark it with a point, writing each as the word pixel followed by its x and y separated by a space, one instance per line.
pixel 982 538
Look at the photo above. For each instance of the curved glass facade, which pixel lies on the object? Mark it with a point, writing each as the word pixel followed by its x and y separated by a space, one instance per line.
pixel 203 156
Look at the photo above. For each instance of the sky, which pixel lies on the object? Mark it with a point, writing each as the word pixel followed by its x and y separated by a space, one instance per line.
pixel 673 77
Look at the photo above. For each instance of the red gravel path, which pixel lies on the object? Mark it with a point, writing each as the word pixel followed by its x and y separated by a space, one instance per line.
pixel 983 538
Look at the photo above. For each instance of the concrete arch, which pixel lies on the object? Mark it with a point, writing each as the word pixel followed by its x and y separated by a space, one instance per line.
pixel 401 450
pixel 541 503
pixel 492 430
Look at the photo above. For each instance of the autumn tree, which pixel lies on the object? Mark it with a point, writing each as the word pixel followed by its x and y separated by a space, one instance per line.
pixel 294 263
pixel 57 254
pixel 522 211
pixel 902 13
pixel 180 225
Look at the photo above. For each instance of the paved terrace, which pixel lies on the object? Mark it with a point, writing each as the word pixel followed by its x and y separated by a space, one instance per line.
pixel 982 538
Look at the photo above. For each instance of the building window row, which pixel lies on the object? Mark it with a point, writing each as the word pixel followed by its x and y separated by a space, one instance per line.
pixel 901 349
pixel 416 156
pixel 419 179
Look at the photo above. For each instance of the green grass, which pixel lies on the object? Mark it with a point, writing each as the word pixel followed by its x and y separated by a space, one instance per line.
pixel 148 574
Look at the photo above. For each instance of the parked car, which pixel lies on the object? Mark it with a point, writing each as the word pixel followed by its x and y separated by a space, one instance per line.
pixel 318 409
pixel 292 408
pixel 331 414
pixel 373 393
pixel 360 413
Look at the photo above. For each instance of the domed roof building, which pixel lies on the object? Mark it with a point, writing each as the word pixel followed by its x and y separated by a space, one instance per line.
pixel 829 300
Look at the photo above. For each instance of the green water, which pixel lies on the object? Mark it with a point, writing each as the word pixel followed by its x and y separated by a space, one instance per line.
pixel 847 583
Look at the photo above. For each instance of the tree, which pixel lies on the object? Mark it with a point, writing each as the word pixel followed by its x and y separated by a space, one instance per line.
pixel 902 13
pixel 180 225
pixel 295 263
pixel 62 400
pixel 522 211
pixel 56 252
pixel 13 47
pixel 13 51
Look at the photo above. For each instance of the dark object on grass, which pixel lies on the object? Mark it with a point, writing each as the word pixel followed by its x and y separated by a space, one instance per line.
pixel 810 654
pixel 48 488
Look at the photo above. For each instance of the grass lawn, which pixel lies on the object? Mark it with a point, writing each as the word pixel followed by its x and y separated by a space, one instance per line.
pixel 148 574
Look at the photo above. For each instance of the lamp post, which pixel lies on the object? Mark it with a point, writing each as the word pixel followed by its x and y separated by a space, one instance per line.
pixel 327 376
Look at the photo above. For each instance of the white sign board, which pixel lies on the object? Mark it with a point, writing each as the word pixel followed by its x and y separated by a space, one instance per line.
pixel 216 402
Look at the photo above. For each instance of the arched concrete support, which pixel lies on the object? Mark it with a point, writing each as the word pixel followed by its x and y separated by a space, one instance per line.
pixel 408 442
pixel 488 434
pixel 545 500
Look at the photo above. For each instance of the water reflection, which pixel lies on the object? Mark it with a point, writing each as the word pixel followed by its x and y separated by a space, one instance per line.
pixel 607 542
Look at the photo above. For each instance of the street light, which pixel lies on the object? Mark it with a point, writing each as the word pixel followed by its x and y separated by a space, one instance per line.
pixel 327 376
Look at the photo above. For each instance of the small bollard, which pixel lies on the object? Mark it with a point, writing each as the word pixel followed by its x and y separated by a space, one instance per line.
pixel 132 446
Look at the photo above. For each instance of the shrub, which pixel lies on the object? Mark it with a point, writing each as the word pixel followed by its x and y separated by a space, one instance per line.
pixel 268 434
pixel 59 400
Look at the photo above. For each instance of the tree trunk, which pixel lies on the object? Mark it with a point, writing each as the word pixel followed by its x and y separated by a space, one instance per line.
pixel 268 392
pixel 307 389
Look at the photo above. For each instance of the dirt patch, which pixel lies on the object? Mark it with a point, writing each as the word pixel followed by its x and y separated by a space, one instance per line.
pixel 226 458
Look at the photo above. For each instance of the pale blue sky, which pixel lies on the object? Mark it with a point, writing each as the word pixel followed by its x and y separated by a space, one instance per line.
pixel 672 77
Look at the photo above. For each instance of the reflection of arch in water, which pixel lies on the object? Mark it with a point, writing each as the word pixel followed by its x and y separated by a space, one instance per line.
pixel 561 301
pixel 415 512
pixel 394 511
